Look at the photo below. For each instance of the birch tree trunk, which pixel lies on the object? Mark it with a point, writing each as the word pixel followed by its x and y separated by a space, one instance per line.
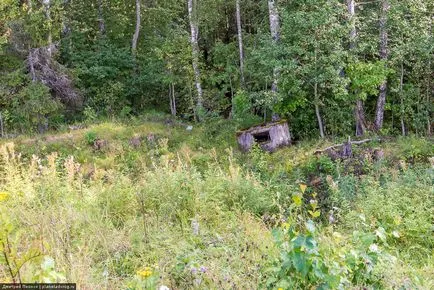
pixel 195 54
pixel 137 31
pixel 275 35
pixel 429 89
pixel 47 4
pixel 317 102
pixel 317 112
pixel 384 55
pixel 172 99
pixel 240 42
pixel 401 95
pixel 359 111
pixel 101 22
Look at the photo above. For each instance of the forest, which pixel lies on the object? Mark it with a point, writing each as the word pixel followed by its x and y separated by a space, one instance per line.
pixel 119 162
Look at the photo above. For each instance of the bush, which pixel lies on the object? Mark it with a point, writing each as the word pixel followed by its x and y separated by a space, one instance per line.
pixel 90 137
pixel 28 106
pixel 327 260
pixel 403 208
pixel 415 148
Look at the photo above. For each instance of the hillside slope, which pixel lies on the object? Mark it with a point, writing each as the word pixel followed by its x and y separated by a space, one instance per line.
pixel 141 204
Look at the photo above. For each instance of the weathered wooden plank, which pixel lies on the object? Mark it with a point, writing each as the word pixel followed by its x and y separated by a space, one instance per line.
pixel 278 136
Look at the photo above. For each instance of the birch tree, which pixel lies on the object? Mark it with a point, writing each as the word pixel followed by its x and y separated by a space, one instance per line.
pixel 359 111
pixel 275 35
pixel 47 10
pixel 101 22
pixel 384 55
pixel 194 30
pixel 240 41
pixel 137 30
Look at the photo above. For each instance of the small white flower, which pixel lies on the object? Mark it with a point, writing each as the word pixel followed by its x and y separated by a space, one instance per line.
pixel 163 287
pixel 373 248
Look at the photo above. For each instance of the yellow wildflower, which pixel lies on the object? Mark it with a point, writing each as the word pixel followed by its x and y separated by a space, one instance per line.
pixel 280 288
pixel 303 187
pixel 286 226
pixel 145 273
pixel 4 195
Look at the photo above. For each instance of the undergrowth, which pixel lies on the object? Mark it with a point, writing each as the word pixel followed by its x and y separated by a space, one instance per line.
pixel 156 205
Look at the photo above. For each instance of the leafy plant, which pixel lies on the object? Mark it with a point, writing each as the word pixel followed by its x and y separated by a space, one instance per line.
pixel 305 262
pixel 90 137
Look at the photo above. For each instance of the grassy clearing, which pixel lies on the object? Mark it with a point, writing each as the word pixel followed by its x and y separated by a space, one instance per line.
pixel 185 210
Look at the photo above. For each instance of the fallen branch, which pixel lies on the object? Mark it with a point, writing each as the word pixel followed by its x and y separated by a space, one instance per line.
pixel 343 144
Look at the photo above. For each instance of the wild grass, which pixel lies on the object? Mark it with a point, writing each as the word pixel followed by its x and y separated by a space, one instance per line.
pixel 187 210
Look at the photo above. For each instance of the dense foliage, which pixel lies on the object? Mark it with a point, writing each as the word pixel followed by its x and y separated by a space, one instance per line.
pixel 141 186
pixel 319 67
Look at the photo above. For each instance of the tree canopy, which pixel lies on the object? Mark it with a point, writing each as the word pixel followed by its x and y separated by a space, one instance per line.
pixel 309 61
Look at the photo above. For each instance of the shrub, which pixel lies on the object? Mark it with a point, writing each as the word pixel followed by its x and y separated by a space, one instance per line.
pixel 309 259
pixel 415 148
pixel 90 137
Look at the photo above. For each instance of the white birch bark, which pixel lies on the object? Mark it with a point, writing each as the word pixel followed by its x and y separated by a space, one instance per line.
pixel 101 22
pixel 137 30
pixel 384 55
pixel 359 111
pixel 47 4
pixel 240 41
pixel 195 52
pixel 401 95
pixel 275 34
pixel 317 103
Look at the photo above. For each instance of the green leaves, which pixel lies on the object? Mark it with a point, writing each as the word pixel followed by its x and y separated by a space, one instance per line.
pixel 366 77
pixel 297 199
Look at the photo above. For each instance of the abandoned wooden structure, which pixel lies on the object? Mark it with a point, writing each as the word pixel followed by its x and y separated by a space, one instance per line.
pixel 269 136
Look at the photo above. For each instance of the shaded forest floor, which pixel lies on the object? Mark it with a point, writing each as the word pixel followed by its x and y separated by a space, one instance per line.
pixel 146 202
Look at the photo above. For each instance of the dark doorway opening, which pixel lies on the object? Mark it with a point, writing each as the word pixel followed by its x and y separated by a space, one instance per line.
pixel 262 137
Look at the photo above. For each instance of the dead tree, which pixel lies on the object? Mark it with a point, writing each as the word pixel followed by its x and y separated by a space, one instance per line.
pixel 45 69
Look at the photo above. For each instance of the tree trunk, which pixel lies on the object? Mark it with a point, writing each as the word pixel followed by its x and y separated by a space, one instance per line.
pixel 47 4
pixel 320 123
pixel 401 95
pixel 360 118
pixel 359 111
pixel 1 125
pixel 384 55
pixel 275 34
pixel 101 22
pixel 351 5
pixel 317 101
pixel 172 99
pixel 195 55
pixel 240 42
pixel 429 90
pixel 137 31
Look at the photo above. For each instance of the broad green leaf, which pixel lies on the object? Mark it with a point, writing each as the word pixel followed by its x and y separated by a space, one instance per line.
pixel 297 199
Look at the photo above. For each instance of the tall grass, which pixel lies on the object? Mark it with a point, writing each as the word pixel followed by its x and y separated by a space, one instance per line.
pixel 102 230
pixel 186 212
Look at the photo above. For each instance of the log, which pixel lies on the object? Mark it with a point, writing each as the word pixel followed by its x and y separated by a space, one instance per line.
pixel 346 144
